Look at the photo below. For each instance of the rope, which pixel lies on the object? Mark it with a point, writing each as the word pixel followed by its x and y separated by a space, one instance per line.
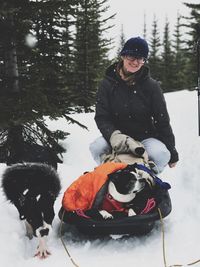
pixel 194 262
pixel 164 249
pixel 163 237
pixel 60 233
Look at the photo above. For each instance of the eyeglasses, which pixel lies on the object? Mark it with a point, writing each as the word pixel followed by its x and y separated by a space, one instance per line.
pixel 140 60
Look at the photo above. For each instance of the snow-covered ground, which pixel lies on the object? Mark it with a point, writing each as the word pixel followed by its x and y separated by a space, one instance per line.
pixel 182 231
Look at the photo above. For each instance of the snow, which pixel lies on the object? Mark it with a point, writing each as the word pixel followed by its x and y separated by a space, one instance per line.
pixel 182 232
pixel 31 41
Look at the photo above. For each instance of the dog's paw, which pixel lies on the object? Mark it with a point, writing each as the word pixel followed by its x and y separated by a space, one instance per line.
pixel 106 215
pixel 42 253
pixel 131 212
pixel 29 230
pixel 42 249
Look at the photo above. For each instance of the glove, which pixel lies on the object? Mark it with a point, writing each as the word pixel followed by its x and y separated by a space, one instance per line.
pixel 135 147
pixel 118 142
pixel 122 143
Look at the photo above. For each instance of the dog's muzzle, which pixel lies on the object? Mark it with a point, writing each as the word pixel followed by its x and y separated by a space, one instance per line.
pixel 139 185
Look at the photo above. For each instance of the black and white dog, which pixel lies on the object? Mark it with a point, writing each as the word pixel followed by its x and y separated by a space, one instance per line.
pixel 127 193
pixel 124 187
pixel 33 189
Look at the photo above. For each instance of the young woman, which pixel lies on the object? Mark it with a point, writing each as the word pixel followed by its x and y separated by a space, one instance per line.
pixel 130 102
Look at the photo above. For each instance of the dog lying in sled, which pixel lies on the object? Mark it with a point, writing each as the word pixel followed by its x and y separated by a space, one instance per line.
pixel 115 196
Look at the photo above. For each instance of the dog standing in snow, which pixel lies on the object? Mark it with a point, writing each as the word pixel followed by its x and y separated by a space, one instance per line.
pixel 33 189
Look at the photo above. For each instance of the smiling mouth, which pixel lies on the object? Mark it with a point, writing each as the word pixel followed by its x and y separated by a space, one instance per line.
pixel 142 185
pixel 134 65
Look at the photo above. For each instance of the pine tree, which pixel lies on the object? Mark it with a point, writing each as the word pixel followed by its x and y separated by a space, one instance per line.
pixel 145 27
pixel 180 58
pixel 90 50
pixel 154 58
pixel 122 41
pixel 32 77
pixel 68 41
pixel 193 33
pixel 168 70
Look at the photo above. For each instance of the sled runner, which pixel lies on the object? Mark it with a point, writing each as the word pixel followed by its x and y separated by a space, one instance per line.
pixel 139 224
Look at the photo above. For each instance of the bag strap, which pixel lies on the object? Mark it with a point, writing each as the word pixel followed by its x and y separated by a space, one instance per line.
pixel 157 180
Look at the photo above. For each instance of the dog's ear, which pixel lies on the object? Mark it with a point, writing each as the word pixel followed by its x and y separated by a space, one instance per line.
pixel 130 168
pixel 114 176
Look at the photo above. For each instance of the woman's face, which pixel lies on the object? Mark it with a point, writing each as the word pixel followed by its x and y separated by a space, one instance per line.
pixel 132 64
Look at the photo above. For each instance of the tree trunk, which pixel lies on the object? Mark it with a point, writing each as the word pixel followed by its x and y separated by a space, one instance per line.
pixel 11 67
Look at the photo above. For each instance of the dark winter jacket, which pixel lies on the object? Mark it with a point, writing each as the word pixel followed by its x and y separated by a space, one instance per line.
pixel 138 110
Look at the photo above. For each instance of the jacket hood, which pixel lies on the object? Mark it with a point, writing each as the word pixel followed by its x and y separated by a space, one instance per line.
pixel 111 73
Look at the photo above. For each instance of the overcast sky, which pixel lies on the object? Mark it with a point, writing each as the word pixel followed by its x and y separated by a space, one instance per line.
pixel 130 13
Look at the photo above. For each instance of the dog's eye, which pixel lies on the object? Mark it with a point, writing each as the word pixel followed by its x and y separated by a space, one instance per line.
pixel 142 180
pixel 131 182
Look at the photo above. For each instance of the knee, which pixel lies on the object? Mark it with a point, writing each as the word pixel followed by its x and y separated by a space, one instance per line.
pixel 162 155
pixel 92 147
pixel 99 146
pixel 95 148
pixel 161 159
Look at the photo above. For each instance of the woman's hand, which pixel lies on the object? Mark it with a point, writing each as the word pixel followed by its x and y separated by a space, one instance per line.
pixel 172 165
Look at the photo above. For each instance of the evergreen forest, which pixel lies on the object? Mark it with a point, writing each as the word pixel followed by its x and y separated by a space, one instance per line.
pixel 53 53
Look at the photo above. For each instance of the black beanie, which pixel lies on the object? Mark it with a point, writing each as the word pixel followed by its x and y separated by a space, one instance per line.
pixel 136 47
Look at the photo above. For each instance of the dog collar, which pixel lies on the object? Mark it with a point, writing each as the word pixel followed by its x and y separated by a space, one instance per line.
pixel 119 197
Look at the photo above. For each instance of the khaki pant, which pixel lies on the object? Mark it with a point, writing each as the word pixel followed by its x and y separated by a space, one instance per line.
pixel 156 150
